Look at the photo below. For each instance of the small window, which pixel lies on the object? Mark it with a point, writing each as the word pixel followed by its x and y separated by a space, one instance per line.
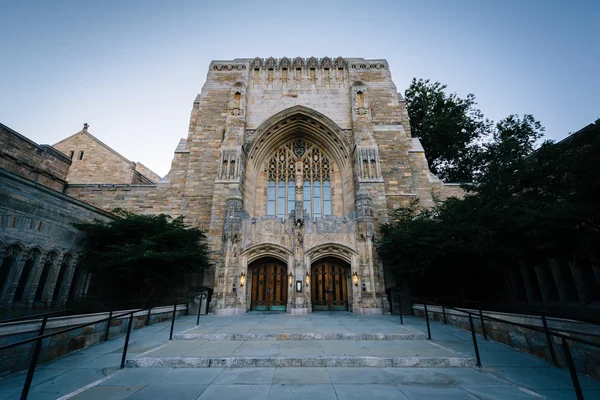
pixel 71 153
pixel 81 155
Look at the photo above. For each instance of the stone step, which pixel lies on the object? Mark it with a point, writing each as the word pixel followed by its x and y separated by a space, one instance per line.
pixel 308 361
pixel 298 336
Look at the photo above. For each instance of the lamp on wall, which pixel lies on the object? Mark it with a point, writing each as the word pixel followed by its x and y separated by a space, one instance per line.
pixel 242 279
pixel 307 278
pixel 291 279
pixel 355 278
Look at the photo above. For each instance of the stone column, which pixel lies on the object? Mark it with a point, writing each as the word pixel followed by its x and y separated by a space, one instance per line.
pixel 51 282
pixel 543 282
pixel 528 283
pixel 370 298
pixel 68 281
pixel 35 278
pixel 231 302
pixel 580 283
pixel 558 278
pixel 13 277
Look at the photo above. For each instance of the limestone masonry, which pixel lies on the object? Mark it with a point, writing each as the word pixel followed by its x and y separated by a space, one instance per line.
pixel 290 167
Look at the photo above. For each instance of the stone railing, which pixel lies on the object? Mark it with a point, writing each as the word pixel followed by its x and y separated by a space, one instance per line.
pixel 585 357
pixel 17 358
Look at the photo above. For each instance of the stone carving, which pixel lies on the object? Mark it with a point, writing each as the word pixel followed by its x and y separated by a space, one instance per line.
pixel 326 62
pixel 298 62
pixel 285 63
pixel 369 66
pixel 257 63
pixel 312 63
pixel 228 67
pixel 271 63
pixel 340 63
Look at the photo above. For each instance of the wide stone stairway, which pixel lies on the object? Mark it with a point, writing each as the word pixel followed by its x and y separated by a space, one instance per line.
pixel 325 356
pixel 282 341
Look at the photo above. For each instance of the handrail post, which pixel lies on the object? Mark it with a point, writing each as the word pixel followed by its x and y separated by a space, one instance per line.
pixel 474 340
pixel 108 325
pixel 572 370
pixel 444 312
pixel 148 316
pixel 34 357
pixel 199 308
pixel 427 319
pixel 549 339
pixel 129 325
pixel 482 323
pixel 173 321
pixel 400 307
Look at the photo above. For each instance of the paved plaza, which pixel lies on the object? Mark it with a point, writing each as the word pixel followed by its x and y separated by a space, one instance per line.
pixel 279 356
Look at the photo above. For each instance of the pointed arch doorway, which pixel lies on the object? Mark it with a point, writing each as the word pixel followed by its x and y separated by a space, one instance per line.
pixel 329 279
pixel 269 289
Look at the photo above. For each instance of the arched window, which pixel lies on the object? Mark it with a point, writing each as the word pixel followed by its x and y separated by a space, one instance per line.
pixel 360 99
pixel 312 167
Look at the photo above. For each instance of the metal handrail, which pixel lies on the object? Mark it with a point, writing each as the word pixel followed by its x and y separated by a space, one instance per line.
pixel 38 339
pixel 72 328
pixel 547 331
pixel 506 304
pixel 33 316
pixel 541 317
pixel 527 326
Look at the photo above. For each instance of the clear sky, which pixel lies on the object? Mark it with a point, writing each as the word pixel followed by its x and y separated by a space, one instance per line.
pixel 132 69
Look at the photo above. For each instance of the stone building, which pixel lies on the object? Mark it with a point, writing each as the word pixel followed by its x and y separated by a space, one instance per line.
pixel 94 162
pixel 39 246
pixel 290 166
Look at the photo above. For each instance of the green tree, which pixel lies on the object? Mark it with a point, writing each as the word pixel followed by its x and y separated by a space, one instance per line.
pixel 451 129
pixel 526 208
pixel 135 256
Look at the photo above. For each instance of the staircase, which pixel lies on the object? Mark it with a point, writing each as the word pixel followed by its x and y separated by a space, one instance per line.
pixel 319 340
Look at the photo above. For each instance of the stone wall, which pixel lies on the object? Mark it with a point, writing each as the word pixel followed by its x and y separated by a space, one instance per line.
pixel 585 357
pixel 93 161
pixel 147 172
pixel 17 358
pixel 38 163
pixel 39 244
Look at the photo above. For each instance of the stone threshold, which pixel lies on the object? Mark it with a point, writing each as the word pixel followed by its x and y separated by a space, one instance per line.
pixel 298 336
pixel 316 361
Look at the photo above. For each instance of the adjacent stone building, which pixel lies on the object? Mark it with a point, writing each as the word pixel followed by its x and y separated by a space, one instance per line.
pixel 39 246
pixel 290 166
pixel 94 162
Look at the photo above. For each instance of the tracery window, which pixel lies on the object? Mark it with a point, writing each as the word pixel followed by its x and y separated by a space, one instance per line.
pixel 313 172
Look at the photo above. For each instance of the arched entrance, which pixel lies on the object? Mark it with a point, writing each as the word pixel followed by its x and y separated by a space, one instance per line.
pixel 329 281
pixel 269 287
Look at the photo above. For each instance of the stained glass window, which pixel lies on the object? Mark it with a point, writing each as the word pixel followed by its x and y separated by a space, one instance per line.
pixel 316 181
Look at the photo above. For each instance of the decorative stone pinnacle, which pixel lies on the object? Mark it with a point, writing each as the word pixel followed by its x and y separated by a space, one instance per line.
pixel 85 126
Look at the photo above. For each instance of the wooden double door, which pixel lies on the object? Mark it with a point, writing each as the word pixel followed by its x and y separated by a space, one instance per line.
pixel 329 285
pixel 269 286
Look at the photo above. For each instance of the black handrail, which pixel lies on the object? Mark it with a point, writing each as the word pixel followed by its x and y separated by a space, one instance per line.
pixel 547 331
pixel 38 339
pixel 34 316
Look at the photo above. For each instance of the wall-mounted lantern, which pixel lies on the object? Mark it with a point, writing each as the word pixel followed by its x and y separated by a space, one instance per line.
pixel 307 279
pixel 242 279
pixel 291 279
pixel 355 279
pixel 299 286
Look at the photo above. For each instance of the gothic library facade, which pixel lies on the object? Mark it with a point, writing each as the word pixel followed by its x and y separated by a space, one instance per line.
pixel 290 167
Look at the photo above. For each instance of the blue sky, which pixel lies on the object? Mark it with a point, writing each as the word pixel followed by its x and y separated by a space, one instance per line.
pixel 132 69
